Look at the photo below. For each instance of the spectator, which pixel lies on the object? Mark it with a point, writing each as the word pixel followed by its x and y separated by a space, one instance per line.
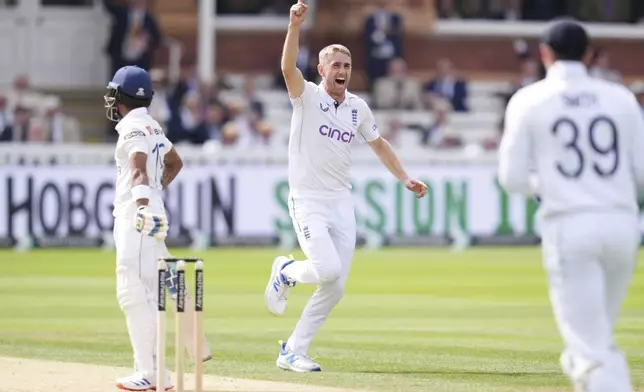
pixel 215 121
pixel 191 126
pixel 189 82
pixel 135 35
pixel 211 92
pixel 397 90
pixel 22 95
pixel 240 115
pixel 57 126
pixel 383 37
pixel 256 105
pixel 36 131
pixel 21 124
pixel 600 67
pixel 436 136
pixel 6 120
pixel 262 133
pixel 448 86
pixel 160 107
pixel 229 134
pixel 307 62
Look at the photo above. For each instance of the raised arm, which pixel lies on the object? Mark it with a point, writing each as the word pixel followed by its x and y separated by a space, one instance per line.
pixel 292 75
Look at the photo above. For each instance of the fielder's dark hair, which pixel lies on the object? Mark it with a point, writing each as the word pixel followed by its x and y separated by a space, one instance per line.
pixel 569 56
pixel 567 39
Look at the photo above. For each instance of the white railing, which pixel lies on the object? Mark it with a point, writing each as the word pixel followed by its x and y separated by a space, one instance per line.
pixel 209 154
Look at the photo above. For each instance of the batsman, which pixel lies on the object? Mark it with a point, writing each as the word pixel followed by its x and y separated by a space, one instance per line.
pixel 146 164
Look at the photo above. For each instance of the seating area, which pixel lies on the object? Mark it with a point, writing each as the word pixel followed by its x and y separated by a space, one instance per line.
pixel 481 123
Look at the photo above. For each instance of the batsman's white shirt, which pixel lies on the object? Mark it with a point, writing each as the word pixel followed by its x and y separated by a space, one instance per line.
pixel 139 132
pixel 136 253
pixel 578 142
pixel 321 139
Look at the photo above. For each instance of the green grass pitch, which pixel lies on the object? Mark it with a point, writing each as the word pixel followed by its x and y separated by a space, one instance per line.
pixel 411 319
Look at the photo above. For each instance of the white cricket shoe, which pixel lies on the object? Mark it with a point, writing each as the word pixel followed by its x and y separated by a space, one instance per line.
pixel 278 286
pixel 300 363
pixel 137 382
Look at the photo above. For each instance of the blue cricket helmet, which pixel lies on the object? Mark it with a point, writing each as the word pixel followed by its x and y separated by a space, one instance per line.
pixel 129 81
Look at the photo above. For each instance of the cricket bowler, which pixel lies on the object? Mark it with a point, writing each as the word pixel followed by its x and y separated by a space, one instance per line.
pixel 327 122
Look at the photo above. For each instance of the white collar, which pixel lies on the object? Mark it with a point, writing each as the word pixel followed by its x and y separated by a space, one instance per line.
pixel 330 100
pixel 567 70
pixel 138 112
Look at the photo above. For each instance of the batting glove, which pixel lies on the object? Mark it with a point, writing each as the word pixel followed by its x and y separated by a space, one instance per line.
pixel 150 224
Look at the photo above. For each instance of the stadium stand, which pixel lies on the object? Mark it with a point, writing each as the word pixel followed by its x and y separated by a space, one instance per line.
pixel 248 105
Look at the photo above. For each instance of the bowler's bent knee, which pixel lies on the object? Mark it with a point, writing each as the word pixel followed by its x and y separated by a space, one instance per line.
pixel 329 271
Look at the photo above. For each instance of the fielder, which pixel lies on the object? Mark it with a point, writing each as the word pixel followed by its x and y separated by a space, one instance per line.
pixel 327 122
pixel 576 143
pixel 146 164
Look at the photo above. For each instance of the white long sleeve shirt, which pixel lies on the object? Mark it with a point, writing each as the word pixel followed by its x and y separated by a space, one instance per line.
pixel 574 140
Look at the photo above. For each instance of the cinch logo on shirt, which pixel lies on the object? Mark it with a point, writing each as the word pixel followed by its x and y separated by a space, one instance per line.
pixel 337 134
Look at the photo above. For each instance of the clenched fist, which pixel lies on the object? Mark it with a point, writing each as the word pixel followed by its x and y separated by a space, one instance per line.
pixel 298 13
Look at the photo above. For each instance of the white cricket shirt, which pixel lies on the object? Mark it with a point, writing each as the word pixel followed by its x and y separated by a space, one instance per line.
pixel 138 132
pixel 322 136
pixel 581 138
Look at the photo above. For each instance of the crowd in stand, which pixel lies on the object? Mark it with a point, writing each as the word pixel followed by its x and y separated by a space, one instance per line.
pixel 627 11
pixel 27 115
pixel 196 113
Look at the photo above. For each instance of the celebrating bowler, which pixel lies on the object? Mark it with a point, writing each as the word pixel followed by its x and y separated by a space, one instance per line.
pixel 327 123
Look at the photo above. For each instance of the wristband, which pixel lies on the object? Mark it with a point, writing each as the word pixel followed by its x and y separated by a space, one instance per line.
pixel 141 192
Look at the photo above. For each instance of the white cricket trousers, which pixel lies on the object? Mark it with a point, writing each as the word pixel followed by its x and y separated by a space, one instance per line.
pixel 326 231
pixel 590 260
pixel 136 289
